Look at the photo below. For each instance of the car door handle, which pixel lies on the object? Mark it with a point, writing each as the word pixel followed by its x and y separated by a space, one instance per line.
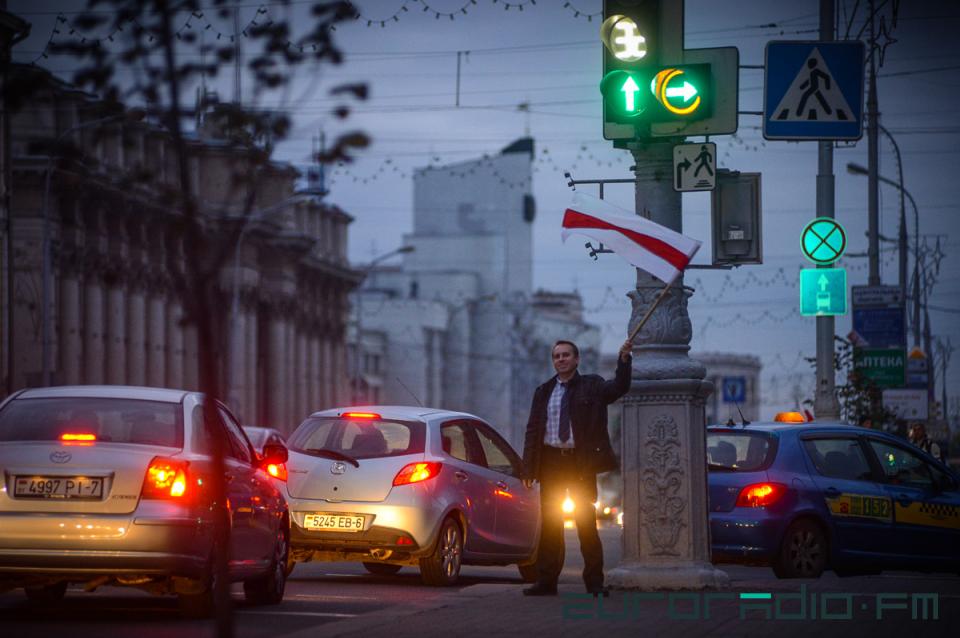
pixel 461 475
pixel 503 486
pixel 832 492
pixel 904 499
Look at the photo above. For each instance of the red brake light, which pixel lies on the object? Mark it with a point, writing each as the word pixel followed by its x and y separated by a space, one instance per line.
pixel 416 472
pixel 166 478
pixel 760 494
pixel 74 436
pixel 277 470
pixel 360 415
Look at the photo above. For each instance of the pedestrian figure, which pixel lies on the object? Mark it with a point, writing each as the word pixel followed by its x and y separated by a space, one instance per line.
pixel 565 447
pixel 918 436
pixel 704 159
pixel 813 81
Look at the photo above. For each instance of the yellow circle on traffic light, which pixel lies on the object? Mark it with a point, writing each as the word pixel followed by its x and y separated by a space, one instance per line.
pixel 661 81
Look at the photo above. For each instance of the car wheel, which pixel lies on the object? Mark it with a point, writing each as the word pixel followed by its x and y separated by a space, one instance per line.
pixel 382 569
pixel 46 593
pixel 442 568
pixel 803 552
pixel 268 589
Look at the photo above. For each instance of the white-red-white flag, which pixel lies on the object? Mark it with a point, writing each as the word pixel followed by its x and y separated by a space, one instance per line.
pixel 662 252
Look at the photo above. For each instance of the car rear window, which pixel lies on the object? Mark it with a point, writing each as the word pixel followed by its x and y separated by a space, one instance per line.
pixel 108 419
pixel 741 451
pixel 359 439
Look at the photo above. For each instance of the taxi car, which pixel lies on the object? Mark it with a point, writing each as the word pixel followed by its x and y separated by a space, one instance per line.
pixel 109 485
pixel 388 486
pixel 805 497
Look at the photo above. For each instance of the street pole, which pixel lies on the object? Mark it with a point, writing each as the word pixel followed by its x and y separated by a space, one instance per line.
pixel 825 403
pixel 902 235
pixel 873 158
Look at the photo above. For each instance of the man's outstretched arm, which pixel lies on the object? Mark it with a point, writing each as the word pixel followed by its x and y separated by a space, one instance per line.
pixel 620 384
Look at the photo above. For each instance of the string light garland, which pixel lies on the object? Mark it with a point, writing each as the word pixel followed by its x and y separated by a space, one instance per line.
pixel 446 14
pixel 577 13
pixel 515 5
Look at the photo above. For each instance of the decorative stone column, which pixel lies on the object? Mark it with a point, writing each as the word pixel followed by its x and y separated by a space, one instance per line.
pixel 93 328
pixel 666 541
pixel 156 339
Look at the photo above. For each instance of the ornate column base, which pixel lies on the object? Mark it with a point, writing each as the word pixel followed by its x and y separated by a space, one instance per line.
pixel 666 534
pixel 670 575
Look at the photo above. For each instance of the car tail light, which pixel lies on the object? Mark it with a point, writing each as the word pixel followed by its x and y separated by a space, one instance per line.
pixel 166 478
pixel 416 472
pixel 404 540
pixel 360 415
pixel 277 470
pixel 760 494
pixel 76 436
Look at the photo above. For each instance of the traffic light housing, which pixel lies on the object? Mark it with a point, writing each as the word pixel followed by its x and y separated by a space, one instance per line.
pixel 657 94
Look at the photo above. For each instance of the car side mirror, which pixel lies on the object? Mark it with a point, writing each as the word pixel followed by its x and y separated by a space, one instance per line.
pixel 274 453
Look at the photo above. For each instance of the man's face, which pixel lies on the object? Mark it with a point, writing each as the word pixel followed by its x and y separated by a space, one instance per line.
pixel 917 432
pixel 564 361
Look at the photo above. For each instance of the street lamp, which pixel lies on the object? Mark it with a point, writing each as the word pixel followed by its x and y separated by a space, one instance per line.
pixel 856 169
pixel 47 268
pixel 357 349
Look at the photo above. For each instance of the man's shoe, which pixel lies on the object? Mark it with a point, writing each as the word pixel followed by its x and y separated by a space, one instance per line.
pixel 599 591
pixel 541 589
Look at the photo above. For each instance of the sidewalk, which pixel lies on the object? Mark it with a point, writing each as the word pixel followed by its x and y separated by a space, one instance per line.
pixel 495 610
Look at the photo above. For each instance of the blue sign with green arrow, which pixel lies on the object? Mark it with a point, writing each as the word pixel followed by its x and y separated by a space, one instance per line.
pixel 823 292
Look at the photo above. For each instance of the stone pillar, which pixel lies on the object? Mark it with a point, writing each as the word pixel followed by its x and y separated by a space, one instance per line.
pixel 174 345
pixel 93 350
pixel 136 338
pixel 316 387
pixel 71 352
pixel 237 363
pixel 156 346
pixel 190 370
pixel 276 367
pixel 116 335
pixel 666 540
pixel 302 380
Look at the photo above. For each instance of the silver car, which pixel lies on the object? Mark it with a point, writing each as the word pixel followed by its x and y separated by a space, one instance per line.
pixel 109 485
pixel 394 486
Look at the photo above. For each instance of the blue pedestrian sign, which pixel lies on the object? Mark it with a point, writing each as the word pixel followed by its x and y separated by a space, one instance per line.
pixel 734 389
pixel 813 90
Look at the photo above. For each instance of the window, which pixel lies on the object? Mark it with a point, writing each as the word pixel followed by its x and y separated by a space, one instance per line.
pixel 839 458
pixel 109 419
pixel 359 439
pixel 741 451
pixel 238 447
pixel 453 437
pixel 901 467
pixel 500 457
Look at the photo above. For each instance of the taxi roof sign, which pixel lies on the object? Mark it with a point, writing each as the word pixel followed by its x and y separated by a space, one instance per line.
pixel 789 417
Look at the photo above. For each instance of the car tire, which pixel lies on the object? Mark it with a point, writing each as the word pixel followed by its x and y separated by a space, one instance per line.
pixel 46 593
pixel 268 589
pixel 442 567
pixel 803 551
pixel 382 569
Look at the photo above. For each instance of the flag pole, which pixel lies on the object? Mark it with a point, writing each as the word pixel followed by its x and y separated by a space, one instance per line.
pixel 653 306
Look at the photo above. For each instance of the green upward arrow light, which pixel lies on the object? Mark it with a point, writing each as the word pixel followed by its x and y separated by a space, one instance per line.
pixel 630 90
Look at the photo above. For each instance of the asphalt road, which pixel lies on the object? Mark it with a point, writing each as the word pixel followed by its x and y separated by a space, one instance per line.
pixel 322 593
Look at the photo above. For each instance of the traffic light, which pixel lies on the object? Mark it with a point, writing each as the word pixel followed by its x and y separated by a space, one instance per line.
pixel 640 86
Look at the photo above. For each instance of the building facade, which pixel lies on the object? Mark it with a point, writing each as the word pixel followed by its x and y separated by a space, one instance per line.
pixel 117 311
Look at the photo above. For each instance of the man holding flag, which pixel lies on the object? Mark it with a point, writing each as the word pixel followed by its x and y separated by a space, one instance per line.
pixel 566 443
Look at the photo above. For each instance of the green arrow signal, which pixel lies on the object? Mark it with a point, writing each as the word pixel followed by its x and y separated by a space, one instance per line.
pixel 687 91
pixel 630 88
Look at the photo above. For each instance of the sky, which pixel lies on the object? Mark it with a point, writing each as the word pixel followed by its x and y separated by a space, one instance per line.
pixel 549 58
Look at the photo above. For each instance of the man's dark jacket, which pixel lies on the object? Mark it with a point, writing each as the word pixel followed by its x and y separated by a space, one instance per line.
pixel 590 395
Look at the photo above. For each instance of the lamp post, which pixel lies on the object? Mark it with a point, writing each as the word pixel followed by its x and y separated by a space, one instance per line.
pixel 47 267
pixel 358 345
pixel 856 169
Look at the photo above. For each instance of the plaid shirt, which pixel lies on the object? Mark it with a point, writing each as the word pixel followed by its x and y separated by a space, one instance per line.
pixel 552 435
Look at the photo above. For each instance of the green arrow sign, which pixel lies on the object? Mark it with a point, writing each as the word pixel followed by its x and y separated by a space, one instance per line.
pixel 630 90
pixel 823 241
pixel 687 91
pixel 823 292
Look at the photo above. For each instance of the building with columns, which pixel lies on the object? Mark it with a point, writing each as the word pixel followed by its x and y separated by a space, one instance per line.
pixel 116 310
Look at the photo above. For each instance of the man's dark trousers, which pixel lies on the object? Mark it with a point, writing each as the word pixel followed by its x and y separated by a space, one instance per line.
pixel 558 473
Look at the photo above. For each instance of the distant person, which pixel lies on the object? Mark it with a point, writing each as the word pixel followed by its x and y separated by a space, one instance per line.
pixel 565 447
pixel 866 422
pixel 918 436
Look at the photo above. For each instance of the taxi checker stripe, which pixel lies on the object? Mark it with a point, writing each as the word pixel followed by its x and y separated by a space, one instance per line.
pixel 940 508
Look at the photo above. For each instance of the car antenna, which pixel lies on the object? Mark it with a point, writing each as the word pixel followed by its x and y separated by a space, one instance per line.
pixel 410 391
pixel 743 421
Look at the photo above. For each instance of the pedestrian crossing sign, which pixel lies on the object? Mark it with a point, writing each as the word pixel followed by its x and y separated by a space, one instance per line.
pixel 813 90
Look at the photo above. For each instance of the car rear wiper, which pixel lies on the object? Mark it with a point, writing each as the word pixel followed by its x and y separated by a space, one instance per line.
pixel 332 454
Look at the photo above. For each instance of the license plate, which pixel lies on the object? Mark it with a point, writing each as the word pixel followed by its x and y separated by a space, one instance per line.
pixel 334 522
pixel 73 487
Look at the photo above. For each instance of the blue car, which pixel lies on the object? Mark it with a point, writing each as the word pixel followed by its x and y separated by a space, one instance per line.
pixel 805 497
